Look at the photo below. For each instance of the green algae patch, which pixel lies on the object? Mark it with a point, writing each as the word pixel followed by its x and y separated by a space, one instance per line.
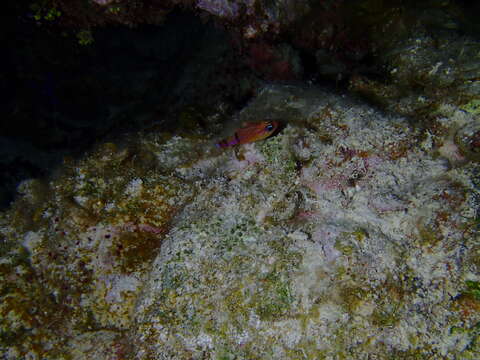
pixel 473 289
pixel 167 310
pixel 471 338
pixel 348 242
pixel 352 297
pixel 344 248
pixel 278 156
pixel 472 107
pixel 386 316
pixel 224 295
pixel 274 298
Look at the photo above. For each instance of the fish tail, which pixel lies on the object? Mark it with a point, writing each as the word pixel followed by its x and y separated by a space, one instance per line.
pixel 222 144
pixel 231 141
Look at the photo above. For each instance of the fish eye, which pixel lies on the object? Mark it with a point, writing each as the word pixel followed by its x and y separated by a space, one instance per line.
pixel 269 127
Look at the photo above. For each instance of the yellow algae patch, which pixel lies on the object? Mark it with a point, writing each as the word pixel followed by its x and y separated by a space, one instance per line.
pixel 114 301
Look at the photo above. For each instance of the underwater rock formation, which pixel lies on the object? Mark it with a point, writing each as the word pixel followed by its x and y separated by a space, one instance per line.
pixel 349 234
pixel 425 71
pixel 407 52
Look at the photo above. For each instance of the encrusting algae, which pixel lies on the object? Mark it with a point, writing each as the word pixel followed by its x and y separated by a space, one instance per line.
pixel 348 238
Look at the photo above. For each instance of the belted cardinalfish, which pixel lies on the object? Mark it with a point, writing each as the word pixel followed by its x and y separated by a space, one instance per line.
pixel 249 133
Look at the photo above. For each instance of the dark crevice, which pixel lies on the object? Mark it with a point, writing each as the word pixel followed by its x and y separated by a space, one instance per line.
pixel 60 98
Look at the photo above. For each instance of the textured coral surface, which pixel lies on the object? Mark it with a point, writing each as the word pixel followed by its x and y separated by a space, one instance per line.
pixel 351 234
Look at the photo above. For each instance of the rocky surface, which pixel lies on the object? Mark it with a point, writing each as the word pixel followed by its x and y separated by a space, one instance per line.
pixel 408 57
pixel 350 234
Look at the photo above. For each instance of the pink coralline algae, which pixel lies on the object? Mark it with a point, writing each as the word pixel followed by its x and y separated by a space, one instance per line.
pixel 256 17
pixel 221 8
pixel 102 2
pixel 356 167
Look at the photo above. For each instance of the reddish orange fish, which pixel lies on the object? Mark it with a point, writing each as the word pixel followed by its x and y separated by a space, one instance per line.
pixel 249 133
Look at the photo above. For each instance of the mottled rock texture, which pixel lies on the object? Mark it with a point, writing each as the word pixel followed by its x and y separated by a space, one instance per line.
pixel 349 234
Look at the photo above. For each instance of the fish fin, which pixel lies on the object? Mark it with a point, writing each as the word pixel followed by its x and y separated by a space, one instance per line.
pixel 222 144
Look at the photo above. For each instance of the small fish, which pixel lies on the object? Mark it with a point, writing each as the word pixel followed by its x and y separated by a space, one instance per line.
pixel 249 133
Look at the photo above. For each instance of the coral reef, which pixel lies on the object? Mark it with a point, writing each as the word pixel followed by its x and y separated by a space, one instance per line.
pixel 89 236
pixel 349 234
pixel 424 72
